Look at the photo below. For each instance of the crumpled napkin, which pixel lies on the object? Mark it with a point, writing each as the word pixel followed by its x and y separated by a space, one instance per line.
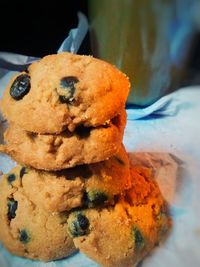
pixel 165 106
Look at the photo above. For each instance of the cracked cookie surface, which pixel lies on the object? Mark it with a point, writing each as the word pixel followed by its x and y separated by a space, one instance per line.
pixel 64 91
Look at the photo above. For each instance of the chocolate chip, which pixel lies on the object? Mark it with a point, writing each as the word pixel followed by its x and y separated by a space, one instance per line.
pixel 139 239
pixel 163 220
pixel 11 178
pixel 68 84
pixel 24 236
pixel 79 226
pixel 95 198
pixel 160 214
pixel 22 172
pixel 12 207
pixel 82 221
pixel 20 86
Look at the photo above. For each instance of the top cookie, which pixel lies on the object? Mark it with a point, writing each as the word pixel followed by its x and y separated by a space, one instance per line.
pixel 63 91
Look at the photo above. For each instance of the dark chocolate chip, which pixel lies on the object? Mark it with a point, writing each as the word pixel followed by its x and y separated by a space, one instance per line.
pixel 95 198
pixel 82 221
pixel 22 172
pixel 163 220
pixel 20 86
pixel 160 214
pixel 163 213
pixel 79 226
pixel 164 227
pixel 12 207
pixel 24 236
pixel 139 239
pixel 11 178
pixel 68 84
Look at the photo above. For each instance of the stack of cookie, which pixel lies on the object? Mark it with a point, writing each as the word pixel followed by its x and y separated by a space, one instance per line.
pixel 74 188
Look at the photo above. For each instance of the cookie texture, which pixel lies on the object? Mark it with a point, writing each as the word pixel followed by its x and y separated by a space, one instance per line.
pixel 87 185
pixel 28 230
pixel 64 91
pixel 121 235
pixel 56 152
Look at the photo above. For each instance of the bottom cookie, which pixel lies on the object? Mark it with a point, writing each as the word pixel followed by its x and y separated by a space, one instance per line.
pixel 29 231
pixel 122 235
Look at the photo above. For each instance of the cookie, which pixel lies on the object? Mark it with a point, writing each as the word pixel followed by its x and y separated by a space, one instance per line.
pixel 86 185
pixel 123 234
pixel 64 91
pixel 26 229
pixel 55 152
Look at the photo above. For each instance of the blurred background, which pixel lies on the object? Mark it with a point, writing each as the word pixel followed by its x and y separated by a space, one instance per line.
pixel 37 28
pixel 155 42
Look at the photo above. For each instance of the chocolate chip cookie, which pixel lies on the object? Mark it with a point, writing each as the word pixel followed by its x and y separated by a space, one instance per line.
pixel 123 234
pixel 55 152
pixel 28 230
pixel 64 91
pixel 86 185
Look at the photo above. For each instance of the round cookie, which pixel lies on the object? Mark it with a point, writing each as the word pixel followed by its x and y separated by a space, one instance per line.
pixel 64 91
pixel 87 185
pixel 123 234
pixel 26 229
pixel 55 152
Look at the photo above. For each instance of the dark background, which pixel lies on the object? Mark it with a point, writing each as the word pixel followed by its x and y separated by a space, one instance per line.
pixel 37 28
